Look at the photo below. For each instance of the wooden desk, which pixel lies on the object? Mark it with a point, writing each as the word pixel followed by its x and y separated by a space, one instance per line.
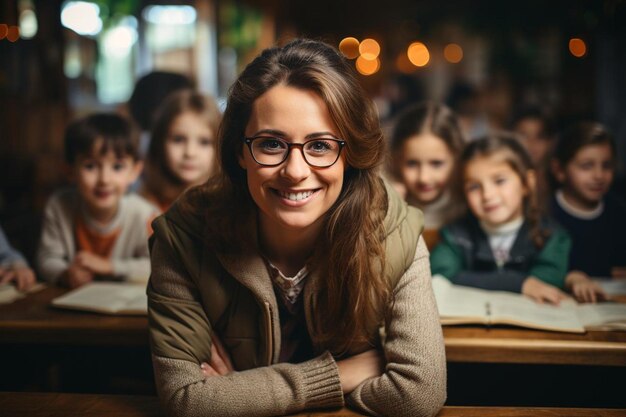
pixel 72 351
pixel 18 404
pixel 479 344
pixel 31 321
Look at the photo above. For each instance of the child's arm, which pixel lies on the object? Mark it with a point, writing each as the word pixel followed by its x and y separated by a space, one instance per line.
pixel 550 266
pixel 584 289
pixel 132 269
pixel 53 255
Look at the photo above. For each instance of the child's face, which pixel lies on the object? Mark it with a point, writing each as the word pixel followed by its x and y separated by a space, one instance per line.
pixel 189 149
pixel 102 180
pixel 588 175
pixel 494 191
pixel 534 138
pixel 426 165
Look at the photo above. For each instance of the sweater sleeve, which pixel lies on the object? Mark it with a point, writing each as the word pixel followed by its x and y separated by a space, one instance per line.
pixel 447 258
pixel 551 264
pixel 53 256
pixel 414 380
pixel 180 335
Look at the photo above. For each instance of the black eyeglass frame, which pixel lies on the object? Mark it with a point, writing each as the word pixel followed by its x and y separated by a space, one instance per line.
pixel 248 141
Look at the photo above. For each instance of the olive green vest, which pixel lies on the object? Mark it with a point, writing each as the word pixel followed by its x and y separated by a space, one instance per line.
pixel 235 294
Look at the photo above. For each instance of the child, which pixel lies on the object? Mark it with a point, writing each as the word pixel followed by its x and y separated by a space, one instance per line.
pixel 95 230
pixel 502 244
pixel 584 166
pixel 537 133
pixel 425 145
pixel 182 148
pixel 13 266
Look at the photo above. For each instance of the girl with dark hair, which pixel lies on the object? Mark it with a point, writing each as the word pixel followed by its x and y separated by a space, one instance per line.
pixel 295 278
pixel 504 244
pixel 583 167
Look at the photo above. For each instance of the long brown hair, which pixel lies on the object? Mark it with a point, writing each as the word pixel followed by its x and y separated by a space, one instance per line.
pixel 350 252
pixel 506 146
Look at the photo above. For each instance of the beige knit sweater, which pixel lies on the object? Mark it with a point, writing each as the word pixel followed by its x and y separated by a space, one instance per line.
pixel 413 382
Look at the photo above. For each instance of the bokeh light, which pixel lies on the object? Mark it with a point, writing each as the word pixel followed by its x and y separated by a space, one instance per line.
pixel 369 49
pixel 453 53
pixel 82 17
pixel 14 33
pixel 349 47
pixel 367 66
pixel 4 30
pixel 28 24
pixel 577 47
pixel 418 54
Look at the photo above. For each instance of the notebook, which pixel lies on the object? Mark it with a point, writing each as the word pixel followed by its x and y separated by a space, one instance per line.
pixel 106 298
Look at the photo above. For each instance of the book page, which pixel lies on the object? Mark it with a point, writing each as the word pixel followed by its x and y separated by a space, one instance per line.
pixel 455 301
pixel 603 315
pixel 9 293
pixel 460 305
pixel 612 286
pixel 520 310
pixel 106 297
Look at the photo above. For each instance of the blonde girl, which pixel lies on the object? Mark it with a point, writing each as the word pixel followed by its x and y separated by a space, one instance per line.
pixel 503 243
pixel 182 147
pixel 425 146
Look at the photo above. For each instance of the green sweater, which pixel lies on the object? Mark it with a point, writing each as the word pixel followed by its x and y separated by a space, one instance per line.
pixel 464 257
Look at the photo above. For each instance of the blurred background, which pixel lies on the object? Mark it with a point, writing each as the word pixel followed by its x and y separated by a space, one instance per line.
pixel 487 59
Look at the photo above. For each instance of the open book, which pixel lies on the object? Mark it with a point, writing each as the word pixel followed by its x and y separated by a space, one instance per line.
pixel 9 293
pixel 107 298
pixel 466 305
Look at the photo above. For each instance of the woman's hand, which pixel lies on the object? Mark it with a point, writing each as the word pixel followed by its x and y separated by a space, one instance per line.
pixel 220 360
pixel 584 289
pixel 23 276
pixel 358 368
pixel 542 292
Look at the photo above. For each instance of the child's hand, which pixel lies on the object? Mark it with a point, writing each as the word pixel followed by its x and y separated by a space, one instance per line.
pixel 542 292
pixel 75 276
pixel 584 289
pixel 94 263
pixel 23 276
pixel 220 360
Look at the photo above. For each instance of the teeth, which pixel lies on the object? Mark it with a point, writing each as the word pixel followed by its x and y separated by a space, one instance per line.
pixel 296 196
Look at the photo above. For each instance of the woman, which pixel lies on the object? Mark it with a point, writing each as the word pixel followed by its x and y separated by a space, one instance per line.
pixel 272 282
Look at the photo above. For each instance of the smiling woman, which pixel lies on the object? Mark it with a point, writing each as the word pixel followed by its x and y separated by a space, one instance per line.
pixel 273 282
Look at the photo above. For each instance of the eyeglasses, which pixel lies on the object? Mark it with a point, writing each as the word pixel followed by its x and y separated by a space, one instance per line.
pixel 271 151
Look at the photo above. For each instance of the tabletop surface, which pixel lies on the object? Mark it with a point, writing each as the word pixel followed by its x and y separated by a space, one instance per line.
pixel 32 320
pixel 19 404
